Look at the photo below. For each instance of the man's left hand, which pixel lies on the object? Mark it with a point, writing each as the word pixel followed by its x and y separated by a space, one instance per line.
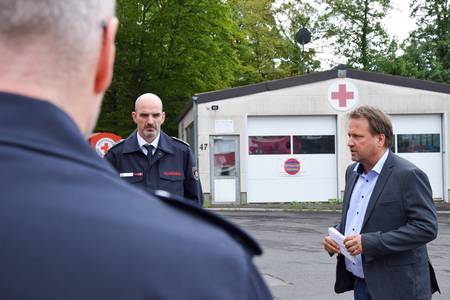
pixel 353 243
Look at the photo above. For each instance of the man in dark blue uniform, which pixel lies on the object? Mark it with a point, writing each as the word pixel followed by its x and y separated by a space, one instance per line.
pixel 69 227
pixel 152 160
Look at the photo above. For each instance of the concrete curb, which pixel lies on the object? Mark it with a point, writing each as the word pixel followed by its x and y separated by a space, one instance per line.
pixel 250 209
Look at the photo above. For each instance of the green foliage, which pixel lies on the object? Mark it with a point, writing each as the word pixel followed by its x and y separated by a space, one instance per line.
pixel 293 15
pixel 173 49
pixel 434 28
pixel 261 44
pixel 426 53
pixel 356 27
pixel 177 48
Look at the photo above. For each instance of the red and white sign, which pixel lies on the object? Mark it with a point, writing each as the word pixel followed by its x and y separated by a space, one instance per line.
pixel 342 95
pixel 103 141
pixel 292 166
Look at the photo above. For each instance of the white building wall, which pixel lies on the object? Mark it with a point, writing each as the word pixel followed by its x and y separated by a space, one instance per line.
pixel 185 122
pixel 309 99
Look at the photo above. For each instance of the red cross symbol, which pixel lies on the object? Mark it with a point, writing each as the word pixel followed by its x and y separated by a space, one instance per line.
pixel 342 95
pixel 105 147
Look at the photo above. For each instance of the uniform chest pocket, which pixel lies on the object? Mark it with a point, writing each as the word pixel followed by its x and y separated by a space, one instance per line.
pixel 172 181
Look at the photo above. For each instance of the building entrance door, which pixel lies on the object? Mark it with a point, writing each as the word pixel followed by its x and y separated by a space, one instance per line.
pixel 225 169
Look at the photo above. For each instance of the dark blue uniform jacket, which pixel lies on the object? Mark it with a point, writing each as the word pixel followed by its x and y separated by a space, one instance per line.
pixel 71 229
pixel 172 168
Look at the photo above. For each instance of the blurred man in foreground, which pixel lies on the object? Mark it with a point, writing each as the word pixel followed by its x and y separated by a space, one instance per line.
pixel 69 227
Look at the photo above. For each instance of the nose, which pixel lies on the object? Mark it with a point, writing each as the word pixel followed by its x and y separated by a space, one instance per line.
pixel 350 142
pixel 150 118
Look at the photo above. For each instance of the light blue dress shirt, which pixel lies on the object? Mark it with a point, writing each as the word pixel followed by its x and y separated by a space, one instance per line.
pixel 358 205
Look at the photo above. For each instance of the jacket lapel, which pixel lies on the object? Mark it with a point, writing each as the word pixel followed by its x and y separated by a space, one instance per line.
pixel 164 148
pixel 157 156
pixel 386 172
pixel 131 144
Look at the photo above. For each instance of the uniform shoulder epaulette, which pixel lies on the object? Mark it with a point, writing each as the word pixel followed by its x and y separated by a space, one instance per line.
pixel 117 144
pixel 239 235
pixel 181 141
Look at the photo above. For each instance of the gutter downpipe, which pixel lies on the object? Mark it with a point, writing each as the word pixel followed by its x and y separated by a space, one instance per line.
pixel 195 118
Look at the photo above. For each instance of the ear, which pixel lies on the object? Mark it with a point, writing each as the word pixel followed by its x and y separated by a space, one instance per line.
pixel 134 116
pixel 163 117
pixel 381 139
pixel 103 75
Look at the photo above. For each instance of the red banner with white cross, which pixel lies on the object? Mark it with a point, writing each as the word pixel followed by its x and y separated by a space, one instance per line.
pixel 103 141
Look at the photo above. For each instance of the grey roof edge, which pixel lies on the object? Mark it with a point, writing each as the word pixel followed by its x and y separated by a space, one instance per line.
pixel 321 76
pixel 399 81
pixel 265 86
pixel 257 88
pixel 316 77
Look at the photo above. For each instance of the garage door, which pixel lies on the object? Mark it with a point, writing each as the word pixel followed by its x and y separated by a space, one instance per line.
pixel 291 159
pixel 418 138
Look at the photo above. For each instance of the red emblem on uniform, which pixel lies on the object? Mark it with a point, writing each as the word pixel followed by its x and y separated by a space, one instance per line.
pixel 173 173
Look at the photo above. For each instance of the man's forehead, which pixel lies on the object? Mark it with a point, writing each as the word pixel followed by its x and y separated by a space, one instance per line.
pixel 149 104
pixel 149 110
pixel 358 123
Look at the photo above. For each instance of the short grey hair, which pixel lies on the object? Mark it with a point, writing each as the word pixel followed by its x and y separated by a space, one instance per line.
pixel 73 27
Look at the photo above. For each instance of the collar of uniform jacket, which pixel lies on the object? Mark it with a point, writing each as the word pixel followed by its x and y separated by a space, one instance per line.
pixel 132 145
pixel 38 124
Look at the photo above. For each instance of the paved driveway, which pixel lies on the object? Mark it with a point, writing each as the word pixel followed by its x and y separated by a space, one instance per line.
pixel 294 263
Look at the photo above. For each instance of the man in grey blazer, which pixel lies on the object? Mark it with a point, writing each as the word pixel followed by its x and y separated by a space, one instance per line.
pixel 388 217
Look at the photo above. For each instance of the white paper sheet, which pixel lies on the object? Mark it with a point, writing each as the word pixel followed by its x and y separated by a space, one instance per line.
pixel 339 238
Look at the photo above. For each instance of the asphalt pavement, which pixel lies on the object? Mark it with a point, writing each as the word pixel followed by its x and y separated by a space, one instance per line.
pixel 296 267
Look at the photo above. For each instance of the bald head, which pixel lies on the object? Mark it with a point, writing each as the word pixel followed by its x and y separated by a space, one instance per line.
pixel 148 116
pixel 148 99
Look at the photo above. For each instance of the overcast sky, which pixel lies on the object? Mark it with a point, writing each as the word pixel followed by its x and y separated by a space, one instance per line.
pixel 398 24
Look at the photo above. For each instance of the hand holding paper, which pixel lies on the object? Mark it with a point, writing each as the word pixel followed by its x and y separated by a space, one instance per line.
pixel 339 238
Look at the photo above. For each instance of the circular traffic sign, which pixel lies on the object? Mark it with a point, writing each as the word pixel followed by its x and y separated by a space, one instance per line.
pixel 292 166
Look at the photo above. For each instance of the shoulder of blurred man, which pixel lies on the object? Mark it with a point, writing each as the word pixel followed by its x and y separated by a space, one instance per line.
pixel 115 241
pixel 185 239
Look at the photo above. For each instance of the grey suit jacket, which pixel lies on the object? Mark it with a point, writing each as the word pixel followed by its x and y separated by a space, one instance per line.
pixel 400 220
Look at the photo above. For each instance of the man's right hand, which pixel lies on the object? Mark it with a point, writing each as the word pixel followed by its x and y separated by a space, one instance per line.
pixel 330 246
